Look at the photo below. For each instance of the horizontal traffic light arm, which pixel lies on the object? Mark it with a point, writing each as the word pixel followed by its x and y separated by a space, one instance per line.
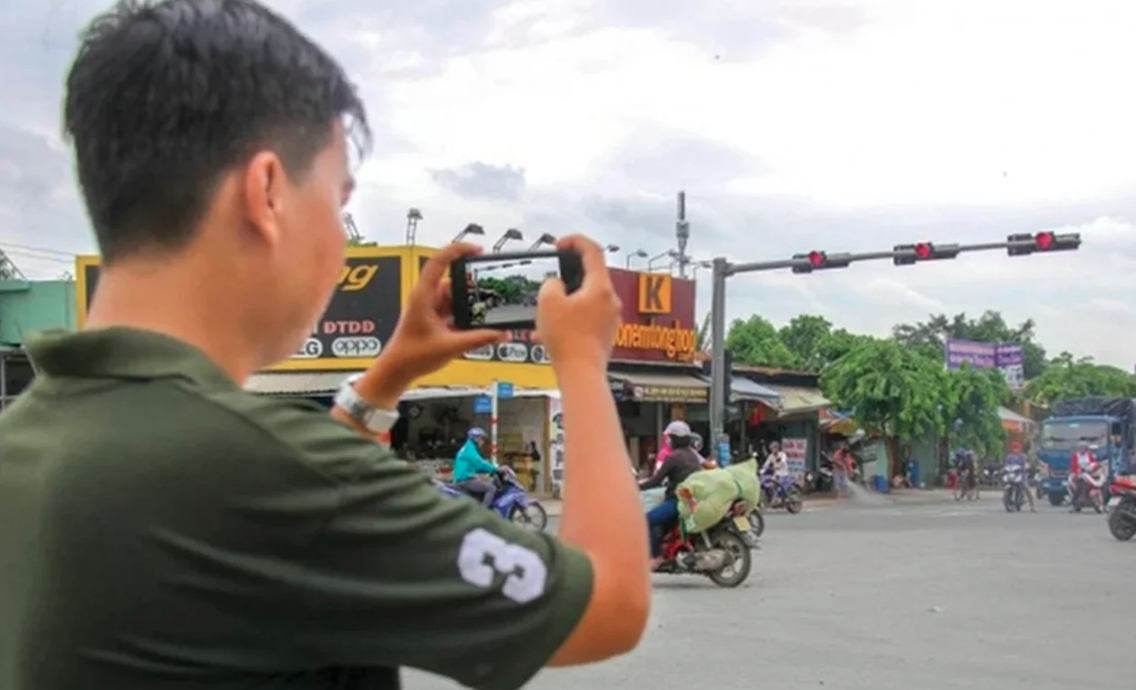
pixel 801 263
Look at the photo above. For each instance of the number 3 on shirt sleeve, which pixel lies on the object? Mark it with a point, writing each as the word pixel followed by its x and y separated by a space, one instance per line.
pixel 483 556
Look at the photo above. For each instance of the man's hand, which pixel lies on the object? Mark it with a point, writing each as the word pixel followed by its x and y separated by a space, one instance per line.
pixel 424 339
pixel 579 328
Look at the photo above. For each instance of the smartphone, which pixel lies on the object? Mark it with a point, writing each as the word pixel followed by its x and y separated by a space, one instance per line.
pixel 499 290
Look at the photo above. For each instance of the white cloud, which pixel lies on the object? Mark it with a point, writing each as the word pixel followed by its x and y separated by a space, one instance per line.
pixel 880 122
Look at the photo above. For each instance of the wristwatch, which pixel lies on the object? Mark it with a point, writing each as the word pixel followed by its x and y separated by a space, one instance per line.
pixel 372 418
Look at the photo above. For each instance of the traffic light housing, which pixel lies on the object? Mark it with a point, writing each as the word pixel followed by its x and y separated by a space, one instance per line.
pixel 707 371
pixel 1044 241
pixel 819 261
pixel 924 251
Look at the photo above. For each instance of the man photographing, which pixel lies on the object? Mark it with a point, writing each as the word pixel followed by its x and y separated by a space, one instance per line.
pixel 161 528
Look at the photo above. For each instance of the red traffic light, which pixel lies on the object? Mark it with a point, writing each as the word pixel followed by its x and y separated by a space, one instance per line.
pixel 1044 241
pixel 816 259
pixel 923 250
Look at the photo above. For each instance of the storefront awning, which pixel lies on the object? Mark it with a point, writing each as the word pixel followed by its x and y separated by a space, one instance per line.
pixel 664 387
pixel 742 388
pixel 443 393
pixel 296 382
pixel 796 400
pixel 1012 421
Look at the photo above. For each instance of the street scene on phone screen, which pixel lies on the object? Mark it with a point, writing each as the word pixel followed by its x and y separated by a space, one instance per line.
pixel 834 383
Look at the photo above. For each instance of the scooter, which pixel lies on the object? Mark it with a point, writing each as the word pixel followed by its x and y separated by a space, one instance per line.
pixel 1013 488
pixel 720 553
pixel 1086 490
pixel 1122 508
pixel 778 492
pixel 511 502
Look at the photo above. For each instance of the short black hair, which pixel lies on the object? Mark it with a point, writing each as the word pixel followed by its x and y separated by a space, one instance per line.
pixel 165 97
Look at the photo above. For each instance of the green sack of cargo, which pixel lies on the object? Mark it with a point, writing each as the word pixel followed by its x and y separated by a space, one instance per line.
pixel 706 496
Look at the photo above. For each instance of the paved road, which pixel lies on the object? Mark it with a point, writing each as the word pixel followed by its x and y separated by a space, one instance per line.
pixel 509 312
pixel 920 597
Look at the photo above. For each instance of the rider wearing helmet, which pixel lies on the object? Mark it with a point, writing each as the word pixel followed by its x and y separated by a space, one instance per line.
pixel 469 463
pixel 1017 458
pixel 682 462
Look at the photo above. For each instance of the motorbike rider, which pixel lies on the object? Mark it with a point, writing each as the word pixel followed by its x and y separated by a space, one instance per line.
pixel 680 463
pixel 1016 458
pixel 1081 466
pixel 777 463
pixel 665 445
pixel 470 463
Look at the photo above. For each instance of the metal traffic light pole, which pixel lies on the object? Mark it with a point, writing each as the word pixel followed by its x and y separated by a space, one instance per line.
pixel 1016 245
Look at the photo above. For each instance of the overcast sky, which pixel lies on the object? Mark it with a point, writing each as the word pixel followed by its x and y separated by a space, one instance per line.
pixel 794 125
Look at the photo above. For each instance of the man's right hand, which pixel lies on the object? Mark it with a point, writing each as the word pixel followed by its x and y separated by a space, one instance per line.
pixel 579 328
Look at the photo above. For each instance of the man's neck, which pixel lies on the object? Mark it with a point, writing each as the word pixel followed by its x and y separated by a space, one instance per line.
pixel 167 301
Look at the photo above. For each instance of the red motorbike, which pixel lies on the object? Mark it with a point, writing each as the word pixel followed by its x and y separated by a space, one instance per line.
pixel 720 553
pixel 1122 507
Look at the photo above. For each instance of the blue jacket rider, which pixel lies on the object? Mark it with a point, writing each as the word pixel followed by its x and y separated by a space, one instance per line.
pixel 680 464
pixel 469 463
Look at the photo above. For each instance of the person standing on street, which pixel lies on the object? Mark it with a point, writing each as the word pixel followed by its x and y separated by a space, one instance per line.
pixel 163 529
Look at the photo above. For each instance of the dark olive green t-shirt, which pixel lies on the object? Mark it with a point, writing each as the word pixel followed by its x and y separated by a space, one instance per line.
pixel 161 528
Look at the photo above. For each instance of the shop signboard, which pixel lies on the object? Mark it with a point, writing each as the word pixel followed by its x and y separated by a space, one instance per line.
pixel 670 394
pixel 518 349
pixel 796 452
pixel 556 445
pixel 657 323
pixel 358 322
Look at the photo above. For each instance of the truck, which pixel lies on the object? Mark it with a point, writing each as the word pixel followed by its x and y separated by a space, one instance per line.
pixel 1108 425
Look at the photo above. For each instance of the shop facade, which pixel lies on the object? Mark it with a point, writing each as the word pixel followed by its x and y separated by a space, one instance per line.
pixel 792 418
pixel 28 306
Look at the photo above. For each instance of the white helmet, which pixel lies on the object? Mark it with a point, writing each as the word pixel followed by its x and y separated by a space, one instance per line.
pixel 677 428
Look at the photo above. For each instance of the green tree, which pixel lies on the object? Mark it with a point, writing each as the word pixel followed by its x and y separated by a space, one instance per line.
pixel 839 343
pixel 971 398
pixel 805 336
pixel 930 336
pixel 360 242
pixel 1067 377
pixel 889 389
pixel 755 341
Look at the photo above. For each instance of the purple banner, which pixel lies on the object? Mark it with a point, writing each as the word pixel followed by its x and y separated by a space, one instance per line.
pixel 979 355
pixel 1006 357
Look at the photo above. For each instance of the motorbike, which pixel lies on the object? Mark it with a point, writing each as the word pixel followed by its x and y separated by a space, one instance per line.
pixel 1122 507
pixel 511 502
pixel 781 492
pixel 721 553
pixel 1014 488
pixel 1086 490
pixel 822 480
pixel 966 486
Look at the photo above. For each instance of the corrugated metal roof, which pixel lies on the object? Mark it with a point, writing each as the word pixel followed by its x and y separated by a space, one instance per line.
pixel 795 400
pixel 742 388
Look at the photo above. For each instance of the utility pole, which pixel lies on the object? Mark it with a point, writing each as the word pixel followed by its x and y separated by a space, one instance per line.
pixel 8 269
pixel 413 215
pixel 682 234
pixel 901 255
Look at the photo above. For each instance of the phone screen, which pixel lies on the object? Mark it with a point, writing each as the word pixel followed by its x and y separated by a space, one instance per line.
pixel 504 291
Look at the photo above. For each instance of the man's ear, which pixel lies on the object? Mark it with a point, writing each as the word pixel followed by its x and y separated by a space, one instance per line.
pixel 265 184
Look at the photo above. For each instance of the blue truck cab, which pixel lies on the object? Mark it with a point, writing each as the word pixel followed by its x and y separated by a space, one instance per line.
pixel 1108 425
